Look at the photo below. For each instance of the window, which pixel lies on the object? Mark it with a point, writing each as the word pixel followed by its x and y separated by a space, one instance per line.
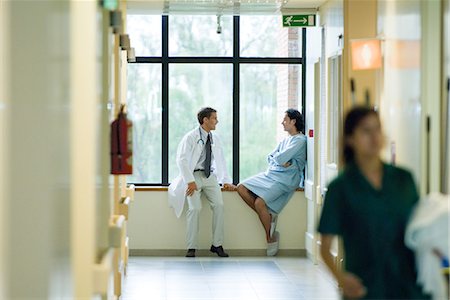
pixel 183 65
pixel 192 86
pixel 144 109
pixel 196 36
pixel 266 91
pixel 265 36
pixel 145 32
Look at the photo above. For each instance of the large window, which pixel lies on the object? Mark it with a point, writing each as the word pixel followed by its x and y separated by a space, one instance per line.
pixel 196 36
pixel 251 73
pixel 264 36
pixel 144 107
pixel 192 86
pixel 145 32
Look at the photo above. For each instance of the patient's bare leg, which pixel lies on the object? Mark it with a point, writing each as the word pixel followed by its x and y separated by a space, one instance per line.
pixel 264 216
pixel 246 196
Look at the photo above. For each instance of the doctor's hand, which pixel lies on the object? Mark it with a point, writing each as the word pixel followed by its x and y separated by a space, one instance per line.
pixel 191 188
pixel 229 187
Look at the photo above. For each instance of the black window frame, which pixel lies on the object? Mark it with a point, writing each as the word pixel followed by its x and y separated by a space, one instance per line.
pixel 236 60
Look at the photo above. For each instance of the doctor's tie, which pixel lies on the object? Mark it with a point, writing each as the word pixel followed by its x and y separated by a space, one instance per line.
pixel 208 157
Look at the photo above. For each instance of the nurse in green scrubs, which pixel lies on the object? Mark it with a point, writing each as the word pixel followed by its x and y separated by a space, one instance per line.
pixel 368 206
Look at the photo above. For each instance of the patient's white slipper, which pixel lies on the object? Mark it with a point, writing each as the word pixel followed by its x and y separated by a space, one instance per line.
pixel 272 248
pixel 273 224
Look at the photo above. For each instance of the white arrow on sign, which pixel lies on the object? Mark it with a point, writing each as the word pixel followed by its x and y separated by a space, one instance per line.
pixel 288 20
pixel 302 20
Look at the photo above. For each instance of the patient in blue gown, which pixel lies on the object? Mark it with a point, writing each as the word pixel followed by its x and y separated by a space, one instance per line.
pixel 267 193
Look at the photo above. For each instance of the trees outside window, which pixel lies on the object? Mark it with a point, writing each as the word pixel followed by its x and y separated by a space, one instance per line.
pixel 202 71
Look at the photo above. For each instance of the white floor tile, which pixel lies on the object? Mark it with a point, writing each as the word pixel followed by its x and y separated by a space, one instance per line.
pixel 249 278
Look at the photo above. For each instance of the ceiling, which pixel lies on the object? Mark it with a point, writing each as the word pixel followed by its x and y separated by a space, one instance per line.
pixel 223 6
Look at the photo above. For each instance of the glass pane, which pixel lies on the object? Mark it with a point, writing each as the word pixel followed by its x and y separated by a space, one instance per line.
pixel 193 86
pixel 144 109
pixel 267 91
pixel 145 34
pixel 265 36
pixel 197 36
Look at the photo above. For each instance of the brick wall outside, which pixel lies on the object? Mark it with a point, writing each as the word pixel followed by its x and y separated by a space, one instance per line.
pixel 288 76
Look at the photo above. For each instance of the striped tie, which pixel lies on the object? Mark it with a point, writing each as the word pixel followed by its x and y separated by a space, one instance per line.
pixel 208 157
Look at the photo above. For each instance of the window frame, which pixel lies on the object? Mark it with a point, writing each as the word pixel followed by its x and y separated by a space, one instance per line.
pixel 236 60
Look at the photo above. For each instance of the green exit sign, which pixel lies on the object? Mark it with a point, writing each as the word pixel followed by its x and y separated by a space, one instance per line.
pixel 110 4
pixel 299 21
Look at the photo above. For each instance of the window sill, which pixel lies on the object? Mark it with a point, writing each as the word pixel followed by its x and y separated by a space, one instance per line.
pixel 165 188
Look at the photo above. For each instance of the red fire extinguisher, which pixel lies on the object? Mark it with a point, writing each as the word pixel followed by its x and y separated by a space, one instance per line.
pixel 121 144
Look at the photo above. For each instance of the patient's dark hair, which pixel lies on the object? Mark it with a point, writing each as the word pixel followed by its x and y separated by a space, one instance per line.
pixel 205 112
pixel 351 123
pixel 294 114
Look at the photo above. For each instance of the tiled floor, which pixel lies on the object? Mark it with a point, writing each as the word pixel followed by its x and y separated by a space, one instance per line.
pixel 227 279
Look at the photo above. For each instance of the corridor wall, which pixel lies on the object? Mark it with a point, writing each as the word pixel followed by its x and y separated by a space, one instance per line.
pixel 35 143
pixel 410 85
pixel 50 136
pixel 3 130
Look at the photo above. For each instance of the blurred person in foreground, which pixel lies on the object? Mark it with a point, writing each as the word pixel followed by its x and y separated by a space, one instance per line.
pixel 368 205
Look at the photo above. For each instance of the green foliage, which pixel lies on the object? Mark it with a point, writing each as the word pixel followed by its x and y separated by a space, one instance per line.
pixel 192 86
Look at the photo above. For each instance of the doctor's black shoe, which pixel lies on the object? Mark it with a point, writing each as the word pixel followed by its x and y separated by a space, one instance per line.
pixel 190 253
pixel 219 251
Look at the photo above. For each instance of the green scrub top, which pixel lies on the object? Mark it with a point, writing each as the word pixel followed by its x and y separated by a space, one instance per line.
pixel 372 224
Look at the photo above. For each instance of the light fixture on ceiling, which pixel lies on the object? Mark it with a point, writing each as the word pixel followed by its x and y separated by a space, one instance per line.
pixel 219 27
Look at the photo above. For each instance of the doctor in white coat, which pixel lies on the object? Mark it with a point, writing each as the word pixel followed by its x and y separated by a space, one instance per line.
pixel 202 167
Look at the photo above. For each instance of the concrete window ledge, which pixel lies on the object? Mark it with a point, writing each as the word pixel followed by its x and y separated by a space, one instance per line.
pixel 161 188
pixel 154 230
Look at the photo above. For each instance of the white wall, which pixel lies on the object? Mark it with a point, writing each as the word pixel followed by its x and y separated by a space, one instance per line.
pixel 314 42
pixel 411 85
pixel 399 23
pixel 154 226
pixel 431 90
pixel 446 99
pixel 332 21
pixel 48 123
pixel 35 141
pixel 331 43
pixel 84 143
pixel 3 184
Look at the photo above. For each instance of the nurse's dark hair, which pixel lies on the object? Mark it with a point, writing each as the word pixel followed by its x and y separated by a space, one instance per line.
pixel 352 121
pixel 205 112
pixel 294 114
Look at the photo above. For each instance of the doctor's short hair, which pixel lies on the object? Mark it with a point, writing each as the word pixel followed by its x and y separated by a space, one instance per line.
pixel 294 114
pixel 205 112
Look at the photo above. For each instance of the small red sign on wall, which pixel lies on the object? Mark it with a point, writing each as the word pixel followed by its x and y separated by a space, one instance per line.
pixel 311 133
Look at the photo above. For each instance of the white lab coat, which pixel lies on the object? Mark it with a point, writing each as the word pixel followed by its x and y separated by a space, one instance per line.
pixel 428 230
pixel 188 154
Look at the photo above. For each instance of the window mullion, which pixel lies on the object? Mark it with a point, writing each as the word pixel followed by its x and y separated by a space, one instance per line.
pixel 236 91
pixel 165 100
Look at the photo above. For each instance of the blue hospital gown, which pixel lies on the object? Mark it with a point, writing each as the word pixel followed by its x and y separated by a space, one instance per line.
pixel 277 185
